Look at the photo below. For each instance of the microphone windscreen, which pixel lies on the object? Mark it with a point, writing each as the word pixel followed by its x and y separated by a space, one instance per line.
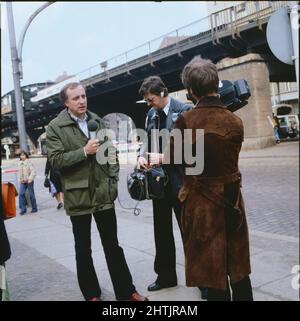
pixel 155 115
pixel 92 125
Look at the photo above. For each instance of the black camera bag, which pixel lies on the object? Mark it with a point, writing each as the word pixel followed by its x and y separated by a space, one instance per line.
pixel 147 184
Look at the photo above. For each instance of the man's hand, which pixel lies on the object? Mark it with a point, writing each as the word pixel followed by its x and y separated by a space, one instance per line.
pixel 155 158
pixel 142 162
pixel 92 146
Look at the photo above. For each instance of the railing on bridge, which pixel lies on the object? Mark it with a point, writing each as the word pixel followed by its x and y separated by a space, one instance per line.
pixel 246 12
pixel 227 20
pixel 146 51
pixel 210 28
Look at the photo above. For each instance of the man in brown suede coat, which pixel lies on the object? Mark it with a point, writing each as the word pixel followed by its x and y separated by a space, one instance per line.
pixel 214 225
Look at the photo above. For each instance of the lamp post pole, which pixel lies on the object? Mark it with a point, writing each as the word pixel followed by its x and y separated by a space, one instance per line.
pixel 16 58
pixel 16 78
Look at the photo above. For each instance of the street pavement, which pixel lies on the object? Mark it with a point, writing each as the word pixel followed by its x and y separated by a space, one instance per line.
pixel 42 266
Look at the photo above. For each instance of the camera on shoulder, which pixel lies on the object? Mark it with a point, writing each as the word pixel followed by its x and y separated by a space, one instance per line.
pixel 234 95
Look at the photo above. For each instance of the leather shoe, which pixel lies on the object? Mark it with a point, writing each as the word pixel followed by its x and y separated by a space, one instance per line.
pixel 22 212
pixel 137 297
pixel 204 292
pixel 155 286
pixel 60 205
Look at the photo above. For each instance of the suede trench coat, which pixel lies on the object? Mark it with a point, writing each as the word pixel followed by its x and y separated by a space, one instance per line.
pixel 214 226
pixel 88 186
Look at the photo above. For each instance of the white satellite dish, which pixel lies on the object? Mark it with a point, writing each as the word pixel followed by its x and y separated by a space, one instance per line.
pixel 279 36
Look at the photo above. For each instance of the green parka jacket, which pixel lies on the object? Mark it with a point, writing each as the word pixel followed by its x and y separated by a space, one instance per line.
pixel 88 186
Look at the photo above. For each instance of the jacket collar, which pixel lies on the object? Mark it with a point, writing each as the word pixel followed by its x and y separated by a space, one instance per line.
pixel 169 121
pixel 64 118
pixel 172 103
pixel 210 101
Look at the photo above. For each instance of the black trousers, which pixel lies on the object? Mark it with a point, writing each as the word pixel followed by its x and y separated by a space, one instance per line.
pixel 240 291
pixel 165 257
pixel 115 259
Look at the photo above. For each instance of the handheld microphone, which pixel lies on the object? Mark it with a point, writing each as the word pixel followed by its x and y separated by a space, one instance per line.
pixel 155 115
pixel 92 128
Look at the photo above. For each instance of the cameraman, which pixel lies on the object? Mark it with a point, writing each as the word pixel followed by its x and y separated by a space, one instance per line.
pixel 214 226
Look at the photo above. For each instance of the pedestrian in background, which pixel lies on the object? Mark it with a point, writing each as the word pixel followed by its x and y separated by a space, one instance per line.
pixel 27 174
pixel 214 226
pixel 276 128
pixel 56 187
pixel 274 122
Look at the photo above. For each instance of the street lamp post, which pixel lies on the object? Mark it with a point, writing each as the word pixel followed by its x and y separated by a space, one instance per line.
pixel 23 32
pixel 16 77
pixel 16 58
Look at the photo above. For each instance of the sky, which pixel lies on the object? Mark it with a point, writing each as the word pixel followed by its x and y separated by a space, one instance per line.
pixel 72 36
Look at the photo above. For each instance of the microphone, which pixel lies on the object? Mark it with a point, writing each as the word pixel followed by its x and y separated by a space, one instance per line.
pixel 92 128
pixel 155 115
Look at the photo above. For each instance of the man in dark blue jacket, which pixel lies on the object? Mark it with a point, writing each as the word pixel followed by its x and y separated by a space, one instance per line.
pixel 162 115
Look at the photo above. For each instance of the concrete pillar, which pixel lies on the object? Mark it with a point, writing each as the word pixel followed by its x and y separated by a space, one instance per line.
pixel 252 67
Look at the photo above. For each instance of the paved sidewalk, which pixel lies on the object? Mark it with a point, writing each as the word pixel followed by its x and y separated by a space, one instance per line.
pixel 284 149
pixel 42 266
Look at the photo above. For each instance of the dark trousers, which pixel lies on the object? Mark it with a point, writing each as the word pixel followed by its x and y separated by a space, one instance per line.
pixel 240 291
pixel 115 259
pixel 22 197
pixel 165 256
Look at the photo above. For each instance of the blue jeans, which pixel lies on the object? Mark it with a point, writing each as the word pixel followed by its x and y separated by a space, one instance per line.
pixel 276 134
pixel 22 198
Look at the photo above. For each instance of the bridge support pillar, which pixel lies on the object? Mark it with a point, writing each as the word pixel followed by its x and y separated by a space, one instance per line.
pixel 252 67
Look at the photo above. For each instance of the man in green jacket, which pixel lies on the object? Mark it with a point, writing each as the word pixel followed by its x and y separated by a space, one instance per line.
pixel 90 188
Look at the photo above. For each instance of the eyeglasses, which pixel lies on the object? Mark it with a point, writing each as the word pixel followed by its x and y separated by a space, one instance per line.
pixel 149 100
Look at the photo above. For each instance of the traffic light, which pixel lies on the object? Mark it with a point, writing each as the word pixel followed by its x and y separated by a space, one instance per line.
pixel 28 104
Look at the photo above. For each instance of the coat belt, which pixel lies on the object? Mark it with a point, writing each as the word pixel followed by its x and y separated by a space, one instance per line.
pixel 219 179
pixel 221 201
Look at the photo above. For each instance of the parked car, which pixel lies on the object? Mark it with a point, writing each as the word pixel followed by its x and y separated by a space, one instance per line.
pixel 289 126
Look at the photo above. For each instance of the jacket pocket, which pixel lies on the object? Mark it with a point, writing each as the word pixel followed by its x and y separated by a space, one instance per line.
pixel 69 185
pixel 107 191
pixel 76 196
